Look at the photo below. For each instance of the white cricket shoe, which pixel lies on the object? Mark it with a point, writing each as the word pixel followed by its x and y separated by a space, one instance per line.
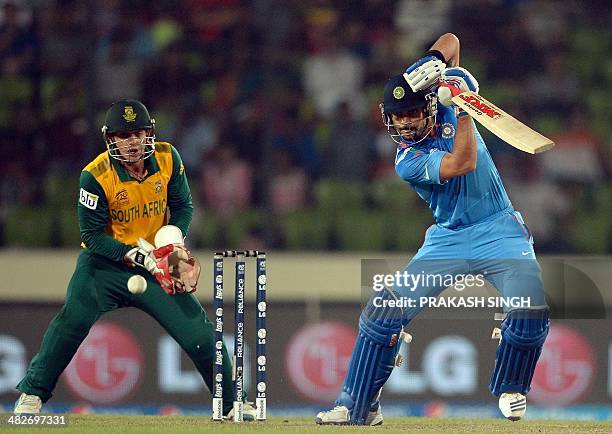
pixel 513 405
pixel 28 404
pixel 375 417
pixel 339 415
pixel 248 412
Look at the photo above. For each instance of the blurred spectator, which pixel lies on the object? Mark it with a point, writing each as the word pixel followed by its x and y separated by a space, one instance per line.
pixel 297 139
pixel 215 19
pixel 17 42
pixel 556 90
pixel 543 204
pixel 347 153
pixel 247 127
pixel 334 75
pixel 118 74
pixel 170 80
pixel 253 240
pixel 66 136
pixel 383 167
pixel 578 155
pixel 288 186
pixel 320 19
pixel 547 22
pixel 65 44
pixel 356 38
pixel 226 181
pixel 420 22
pixel 521 56
pixel 24 139
pixel 198 135
pixel 17 186
pixel 132 29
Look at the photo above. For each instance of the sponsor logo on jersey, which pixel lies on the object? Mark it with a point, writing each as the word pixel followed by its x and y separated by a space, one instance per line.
pixel 122 196
pixel 129 114
pixel 88 199
pixel 448 130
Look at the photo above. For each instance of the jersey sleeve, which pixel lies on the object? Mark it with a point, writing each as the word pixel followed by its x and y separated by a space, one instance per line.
pixel 179 195
pixel 93 219
pixel 418 167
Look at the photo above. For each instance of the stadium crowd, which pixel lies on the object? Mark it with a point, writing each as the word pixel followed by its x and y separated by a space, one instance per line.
pixel 274 108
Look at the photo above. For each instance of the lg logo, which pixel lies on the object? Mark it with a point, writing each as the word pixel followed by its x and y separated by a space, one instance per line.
pixel 566 368
pixel 108 366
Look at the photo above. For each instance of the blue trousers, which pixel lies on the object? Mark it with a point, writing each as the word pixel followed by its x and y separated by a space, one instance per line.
pixel 499 248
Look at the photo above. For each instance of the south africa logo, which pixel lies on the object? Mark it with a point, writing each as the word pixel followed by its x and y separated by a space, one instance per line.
pixel 399 92
pixel 448 131
pixel 129 114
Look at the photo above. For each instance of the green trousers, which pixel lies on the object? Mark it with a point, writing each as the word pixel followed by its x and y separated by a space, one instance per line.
pixel 99 285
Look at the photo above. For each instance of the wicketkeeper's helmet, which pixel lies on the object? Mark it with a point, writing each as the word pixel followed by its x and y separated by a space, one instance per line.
pixel 126 116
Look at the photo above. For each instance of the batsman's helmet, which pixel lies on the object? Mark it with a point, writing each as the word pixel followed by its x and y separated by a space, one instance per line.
pixel 398 97
pixel 125 116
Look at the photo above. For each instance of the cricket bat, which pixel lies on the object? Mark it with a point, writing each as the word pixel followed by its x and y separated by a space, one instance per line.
pixel 500 123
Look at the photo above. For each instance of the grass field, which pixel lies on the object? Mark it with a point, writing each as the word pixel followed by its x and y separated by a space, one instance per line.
pixel 189 424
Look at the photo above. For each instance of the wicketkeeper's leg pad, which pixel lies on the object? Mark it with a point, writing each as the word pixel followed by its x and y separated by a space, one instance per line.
pixel 523 333
pixel 373 358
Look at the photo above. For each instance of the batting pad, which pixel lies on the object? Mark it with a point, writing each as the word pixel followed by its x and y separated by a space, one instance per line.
pixel 522 337
pixel 373 357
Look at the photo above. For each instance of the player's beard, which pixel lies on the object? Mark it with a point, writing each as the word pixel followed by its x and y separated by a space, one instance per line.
pixel 414 131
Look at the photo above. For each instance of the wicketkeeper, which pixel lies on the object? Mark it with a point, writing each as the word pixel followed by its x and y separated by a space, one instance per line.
pixel 132 197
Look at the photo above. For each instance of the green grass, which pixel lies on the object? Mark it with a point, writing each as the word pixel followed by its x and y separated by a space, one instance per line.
pixel 190 424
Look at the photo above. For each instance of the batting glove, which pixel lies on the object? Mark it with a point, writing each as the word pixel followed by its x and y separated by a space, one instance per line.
pixel 454 81
pixel 149 260
pixel 424 73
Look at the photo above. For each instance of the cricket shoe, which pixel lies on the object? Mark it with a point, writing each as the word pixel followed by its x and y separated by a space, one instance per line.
pixel 513 405
pixel 375 416
pixel 248 412
pixel 339 415
pixel 27 404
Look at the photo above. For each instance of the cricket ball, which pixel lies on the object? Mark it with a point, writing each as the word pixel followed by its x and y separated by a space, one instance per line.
pixel 137 284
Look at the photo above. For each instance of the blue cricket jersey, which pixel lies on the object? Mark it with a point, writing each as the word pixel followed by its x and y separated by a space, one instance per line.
pixel 462 200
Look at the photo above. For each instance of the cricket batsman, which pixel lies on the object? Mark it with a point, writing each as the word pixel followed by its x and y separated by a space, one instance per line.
pixel 441 154
pixel 134 212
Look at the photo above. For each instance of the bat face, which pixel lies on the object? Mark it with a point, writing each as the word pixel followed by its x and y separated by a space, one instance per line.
pixel 500 123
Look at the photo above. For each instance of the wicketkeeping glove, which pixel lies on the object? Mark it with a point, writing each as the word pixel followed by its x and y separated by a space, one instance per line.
pixel 149 259
pixel 424 73
pixel 183 268
pixel 454 81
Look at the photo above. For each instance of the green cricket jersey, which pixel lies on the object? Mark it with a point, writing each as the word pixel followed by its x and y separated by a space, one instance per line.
pixel 115 209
